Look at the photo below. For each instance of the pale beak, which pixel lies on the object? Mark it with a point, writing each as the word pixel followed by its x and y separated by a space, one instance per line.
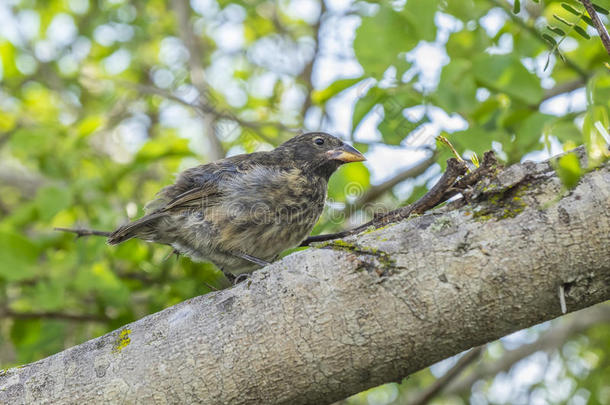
pixel 346 154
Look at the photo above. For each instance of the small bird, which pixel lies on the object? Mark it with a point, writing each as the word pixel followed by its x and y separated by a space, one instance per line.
pixel 241 212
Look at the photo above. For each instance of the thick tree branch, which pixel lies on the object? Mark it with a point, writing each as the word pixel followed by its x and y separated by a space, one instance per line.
pixel 334 320
pixel 550 340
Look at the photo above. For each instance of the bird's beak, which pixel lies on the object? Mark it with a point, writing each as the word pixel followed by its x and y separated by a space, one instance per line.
pixel 346 154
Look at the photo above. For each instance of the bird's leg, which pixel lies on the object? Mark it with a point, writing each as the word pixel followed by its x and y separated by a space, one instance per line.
pixel 170 254
pixel 210 286
pixel 251 259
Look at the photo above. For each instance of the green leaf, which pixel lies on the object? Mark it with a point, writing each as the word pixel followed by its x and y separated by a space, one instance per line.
pixel 550 39
pixel 457 88
pixel 571 9
pixel 505 73
pixel 466 44
pixel 560 19
pixel 380 39
pixel 600 9
pixel 320 97
pixel 7 60
pixel 350 181
pixel 365 104
pixel 588 20
pixel 421 15
pixel 598 90
pixel 516 6
pixel 18 256
pixel 556 30
pixel 476 139
pixel 395 126
pixel 530 132
pixel 568 169
pixel 566 131
pixel 596 122
pixel 169 145
pixel 581 32
pixel 465 10
pixel 52 199
pixel 36 338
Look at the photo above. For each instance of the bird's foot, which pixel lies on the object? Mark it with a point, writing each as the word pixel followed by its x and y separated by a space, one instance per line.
pixel 173 252
pixel 237 279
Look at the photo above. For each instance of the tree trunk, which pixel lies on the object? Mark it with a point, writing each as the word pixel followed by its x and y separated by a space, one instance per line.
pixel 348 315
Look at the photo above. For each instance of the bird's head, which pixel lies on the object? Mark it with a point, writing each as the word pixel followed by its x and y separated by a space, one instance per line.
pixel 321 152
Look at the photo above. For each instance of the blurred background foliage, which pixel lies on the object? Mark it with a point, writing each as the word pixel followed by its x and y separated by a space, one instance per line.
pixel 103 101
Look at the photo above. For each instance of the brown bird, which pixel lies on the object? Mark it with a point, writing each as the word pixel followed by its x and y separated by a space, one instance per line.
pixel 241 212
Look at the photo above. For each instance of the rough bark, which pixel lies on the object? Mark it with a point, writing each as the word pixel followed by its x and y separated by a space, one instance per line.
pixel 347 315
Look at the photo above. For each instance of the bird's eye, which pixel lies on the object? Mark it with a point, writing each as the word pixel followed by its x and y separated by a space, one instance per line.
pixel 319 141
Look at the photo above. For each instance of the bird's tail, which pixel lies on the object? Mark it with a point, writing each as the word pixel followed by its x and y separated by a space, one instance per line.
pixel 137 229
pixel 141 228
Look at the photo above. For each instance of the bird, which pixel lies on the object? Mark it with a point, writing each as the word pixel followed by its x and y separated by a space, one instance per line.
pixel 242 211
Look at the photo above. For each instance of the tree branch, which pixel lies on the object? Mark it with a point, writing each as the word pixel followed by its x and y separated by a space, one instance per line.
pixel 22 179
pixel 325 323
pixel 563 88
pixel 206 109
pixel 374 192
pixel 192 43
pixel 599 26
pixel 435 388
pixel 431 199
pixel 308 70
pixel 8 313
pixel 548 341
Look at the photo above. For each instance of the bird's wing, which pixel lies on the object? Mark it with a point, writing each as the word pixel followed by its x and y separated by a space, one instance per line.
pixel 201 186
pixel 195 189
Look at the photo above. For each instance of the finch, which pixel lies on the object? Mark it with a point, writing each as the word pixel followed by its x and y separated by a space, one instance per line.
pixel 241 212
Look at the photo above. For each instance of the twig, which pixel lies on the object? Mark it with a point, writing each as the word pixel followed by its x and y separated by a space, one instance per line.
pixel 437 386
pixel 195 60
pixel 8 313
pixel 487 167
pixel 431 199
pixel 308 70
pixel 377 191
pixel 84 232
pixel 532 30
pixel 599 26
pixel 205 109
pixel 563 88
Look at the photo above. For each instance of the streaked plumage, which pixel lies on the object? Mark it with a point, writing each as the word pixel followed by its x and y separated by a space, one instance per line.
pixel 246 207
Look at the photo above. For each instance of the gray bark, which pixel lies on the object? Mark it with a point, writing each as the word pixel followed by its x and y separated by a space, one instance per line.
pixel 345 316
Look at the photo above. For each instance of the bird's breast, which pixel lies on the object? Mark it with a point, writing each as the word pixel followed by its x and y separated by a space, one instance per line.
pixel 269 210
